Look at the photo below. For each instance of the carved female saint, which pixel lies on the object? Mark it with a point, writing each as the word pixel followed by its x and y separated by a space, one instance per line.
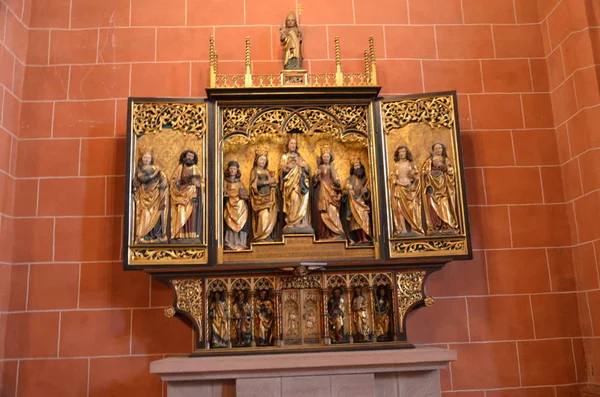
pixel 439 192
pixel 360 317
pixel 264 314
pixel 235 211
pixel 242 318
pixel 383 315
pixel 335 309
pixel 263 190
pixel 295 178
pixel 405 185
pixel 327 198
pixel 218 315
pixel 150 194
pixel 291 40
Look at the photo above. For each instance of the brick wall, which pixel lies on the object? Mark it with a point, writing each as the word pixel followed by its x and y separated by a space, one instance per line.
pixel 521 314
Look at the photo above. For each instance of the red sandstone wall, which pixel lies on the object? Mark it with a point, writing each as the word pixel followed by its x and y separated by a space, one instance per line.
pixel 77 325
pixel 573 58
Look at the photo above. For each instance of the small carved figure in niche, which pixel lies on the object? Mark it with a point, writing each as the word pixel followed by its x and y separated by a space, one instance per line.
pixel 187 186
pixel 327 198
pixel 263 191
pixel 383 315
pixel 360 316
pixel 218 315
pixel 295 184
pixel 291 40
pixel 358 200
pixel 406 194
pixel 235 209
pixel 439 191
pixel 242 317
pixel 264 311
pixel 151 197
pixel 335 308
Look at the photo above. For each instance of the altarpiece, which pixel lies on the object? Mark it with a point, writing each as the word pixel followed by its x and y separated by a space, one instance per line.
pixel 295 211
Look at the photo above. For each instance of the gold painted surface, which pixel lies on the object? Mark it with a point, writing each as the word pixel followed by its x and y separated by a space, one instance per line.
pixel 149 255
pixel 188 118
pixel 410 291
pixel 434 111
pixel 433 246
pixel 189 297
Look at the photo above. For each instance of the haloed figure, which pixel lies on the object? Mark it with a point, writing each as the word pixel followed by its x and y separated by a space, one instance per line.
pixel 327 198
pixel 439 191
pixel 406 194
pixel 150 194
pixel 235 211
pixel 187 187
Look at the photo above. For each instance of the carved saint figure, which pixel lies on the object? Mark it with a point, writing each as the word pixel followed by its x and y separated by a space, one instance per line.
pixel 439 191
pixel 235 209
pixel 242 317
pixel 218 315
pixel 383 315
pixel 360 316
pixel 358 199
pixel 295 177
pixel 150 194
pixel 263 190
pixel 327 198
pixel 264 315
pixel 405 185
pixel 291 40
pixel 335 309
pixel 186 198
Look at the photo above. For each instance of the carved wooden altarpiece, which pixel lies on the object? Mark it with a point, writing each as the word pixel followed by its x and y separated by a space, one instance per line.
pixel 297 211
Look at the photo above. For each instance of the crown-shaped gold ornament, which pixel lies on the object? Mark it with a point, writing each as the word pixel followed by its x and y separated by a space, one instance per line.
pixel 262 151
pixel 326 149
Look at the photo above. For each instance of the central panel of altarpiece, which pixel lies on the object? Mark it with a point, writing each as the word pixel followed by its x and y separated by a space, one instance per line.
pixel 295 212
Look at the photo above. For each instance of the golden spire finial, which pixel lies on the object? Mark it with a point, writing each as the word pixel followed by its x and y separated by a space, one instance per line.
pixel 372 61
pixel 212 58
pixel 248 76
pixel 367 66
pixel 339 77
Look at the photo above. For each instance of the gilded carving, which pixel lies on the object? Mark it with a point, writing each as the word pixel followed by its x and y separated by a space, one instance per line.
pixel 410 291
pixel 189 299
pixel 435 112
pixel 301 282
pixel 166 255
pixel 403 247
pixel 189 118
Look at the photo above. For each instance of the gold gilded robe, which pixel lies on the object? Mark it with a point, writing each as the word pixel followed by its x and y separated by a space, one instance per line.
pixel 439 191
pixel 328 203
pixel 235 214
pixel 383 311
pixel 184 202
pixel 358 196
pixel 264 204
pixel 295 190
pixel 360 317
pixel 406 197
pixel 264 321
pixel 291 39
pixel 151 202
pixel 217 313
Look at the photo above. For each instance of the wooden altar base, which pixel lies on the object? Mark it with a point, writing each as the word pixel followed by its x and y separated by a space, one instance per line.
pixel 402 373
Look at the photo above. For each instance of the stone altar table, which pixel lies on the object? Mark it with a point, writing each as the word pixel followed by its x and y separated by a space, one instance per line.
pixel 372 373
